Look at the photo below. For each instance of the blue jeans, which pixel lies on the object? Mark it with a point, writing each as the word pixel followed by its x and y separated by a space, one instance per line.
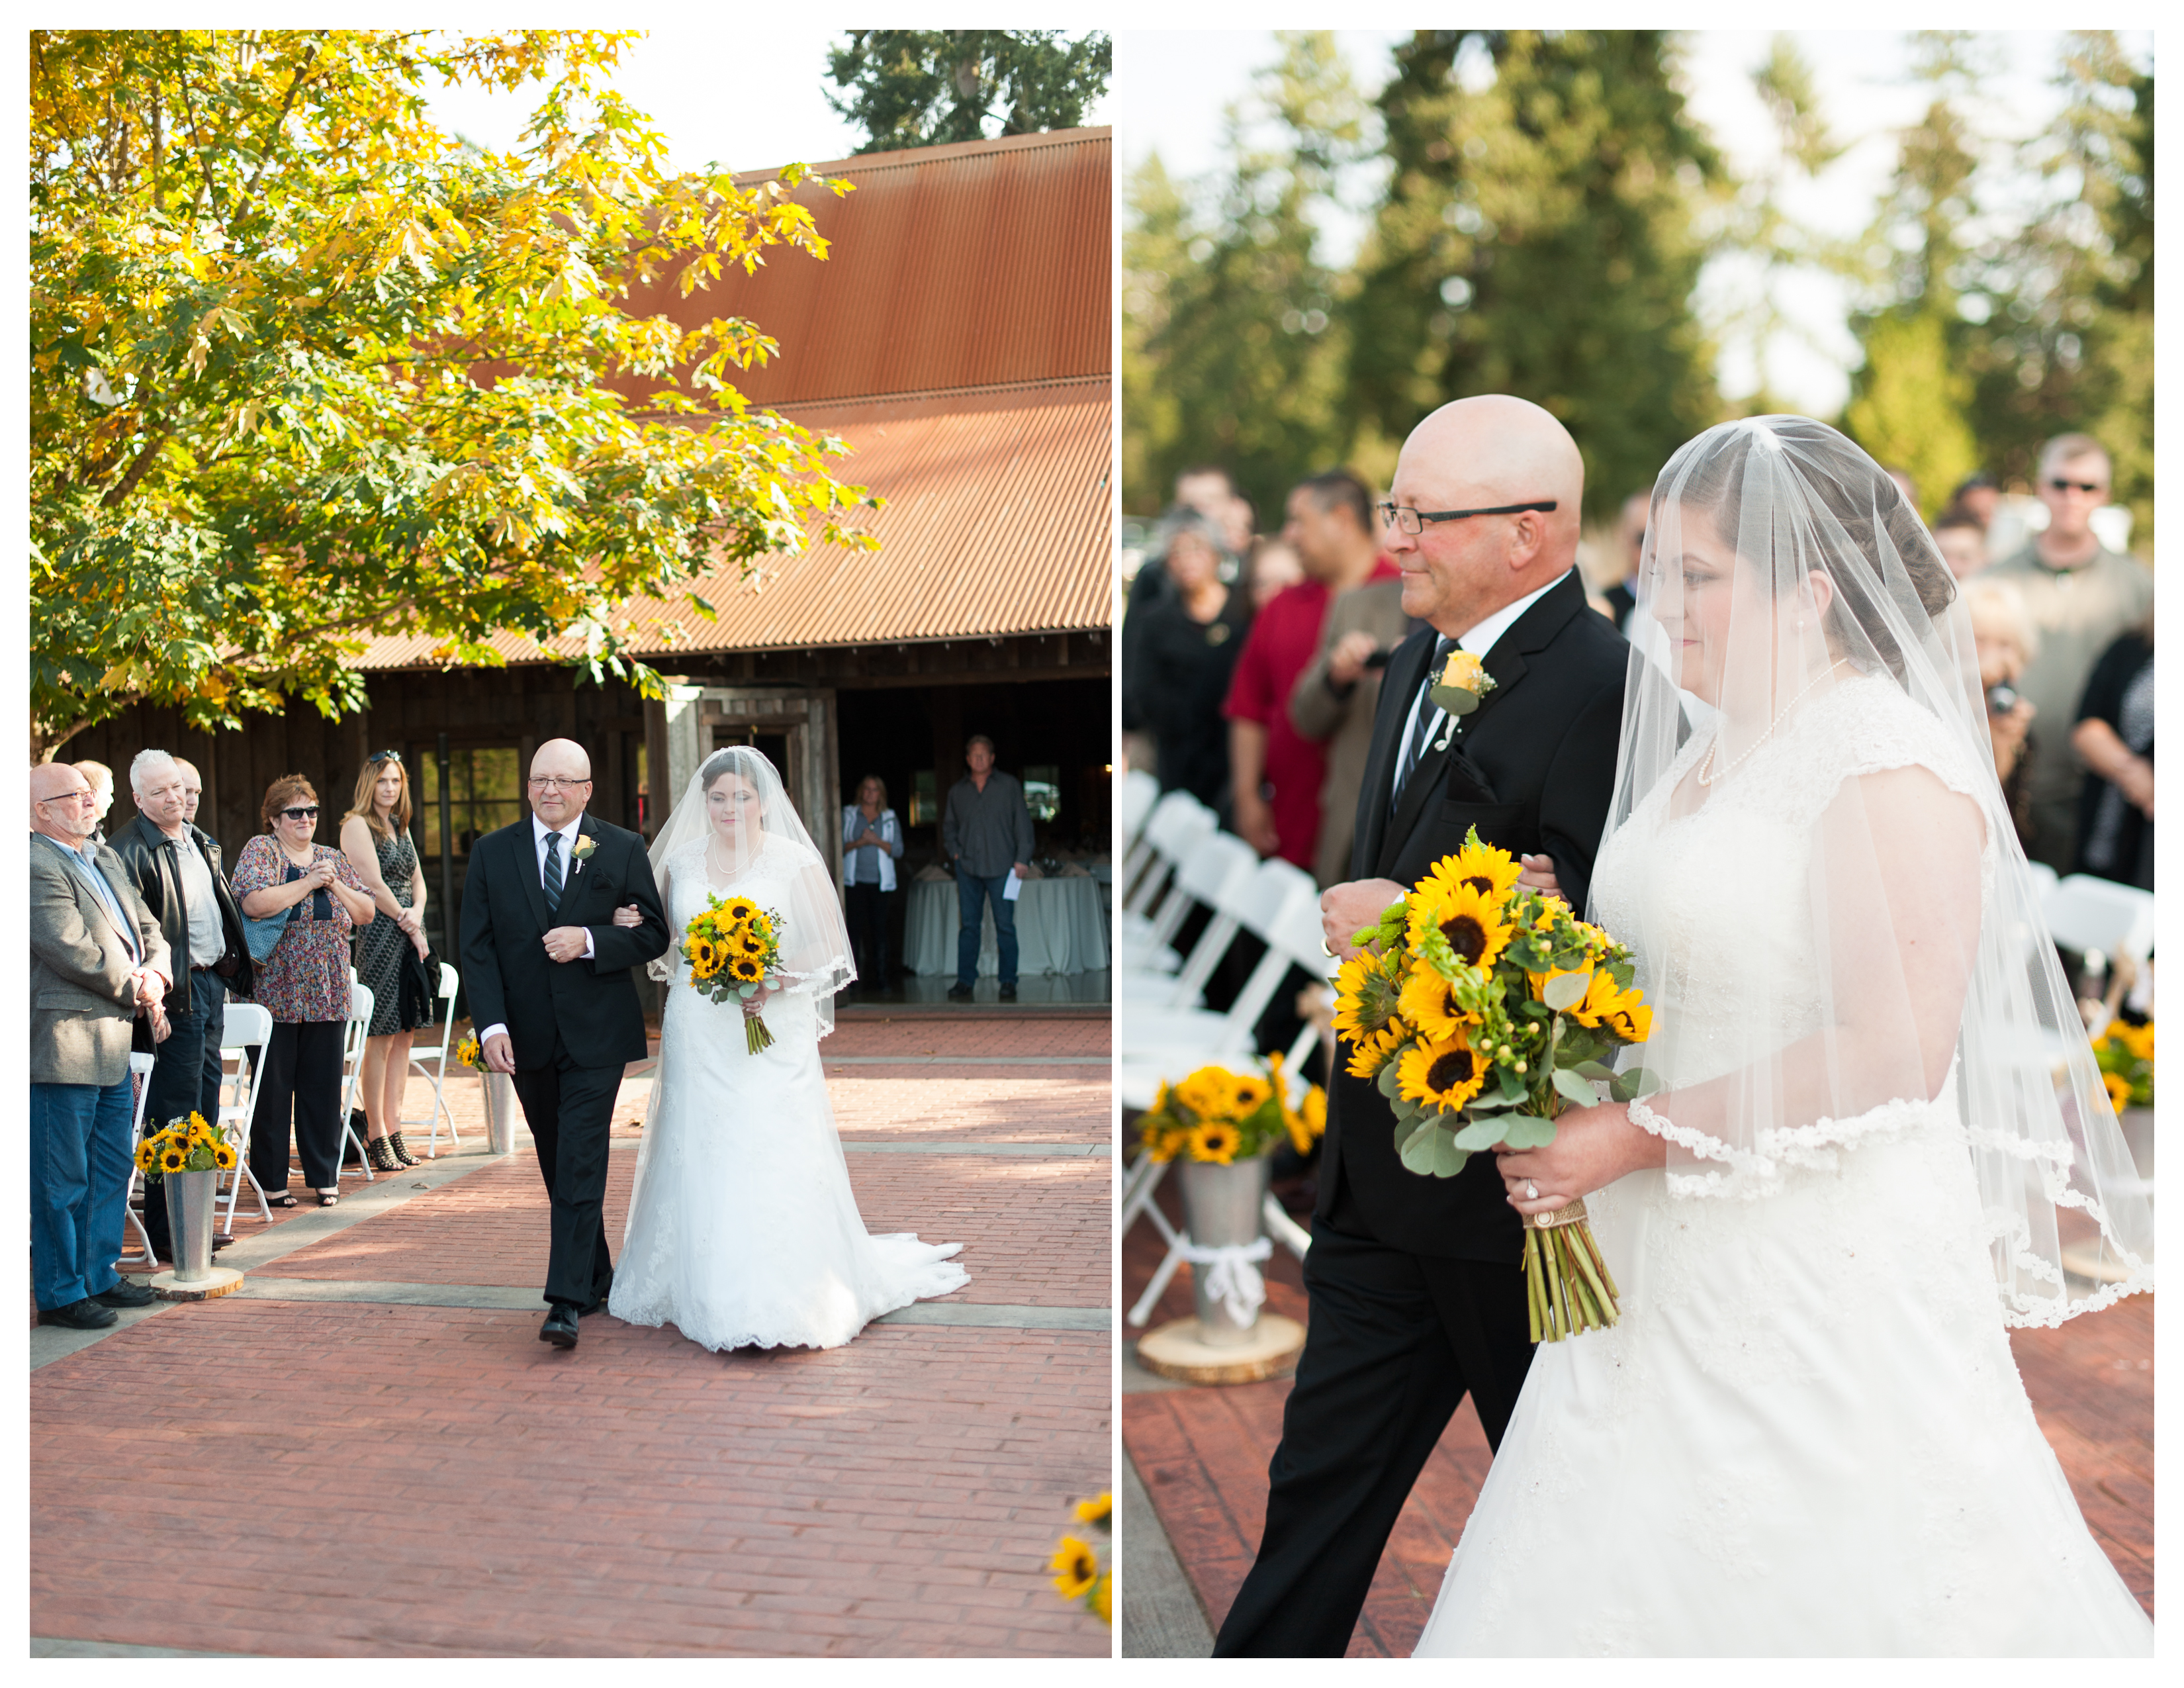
pixel 79 1182
pixel 972 892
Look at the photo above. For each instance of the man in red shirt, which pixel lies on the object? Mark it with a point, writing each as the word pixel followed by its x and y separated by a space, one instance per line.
pixel 1277 773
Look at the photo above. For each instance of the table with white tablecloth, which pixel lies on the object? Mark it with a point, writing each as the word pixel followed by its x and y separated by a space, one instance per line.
pixel 1061 928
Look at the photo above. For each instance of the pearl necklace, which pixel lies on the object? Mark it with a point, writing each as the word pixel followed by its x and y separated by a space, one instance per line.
pixel 1707 778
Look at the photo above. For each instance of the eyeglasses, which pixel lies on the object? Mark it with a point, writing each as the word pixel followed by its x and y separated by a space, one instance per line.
pixel 85 795
pixel 537 784
pixel 308 811
pixel 2063 485
pixel 1413 520
pixel 373 761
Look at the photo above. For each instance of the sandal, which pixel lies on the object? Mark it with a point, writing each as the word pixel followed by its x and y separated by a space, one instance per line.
pixel 329 1198
pixel 283 1199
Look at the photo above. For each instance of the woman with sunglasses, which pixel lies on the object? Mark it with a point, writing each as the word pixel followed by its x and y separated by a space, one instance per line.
pixel 303 984
pixel 375 837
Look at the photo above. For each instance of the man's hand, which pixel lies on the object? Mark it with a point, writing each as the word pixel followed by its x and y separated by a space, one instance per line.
pixel 1024 869
pixel 1539 875
pixel 500 1054
pixel 1593 1147
pixel 1254 823
pixel 566 943
pixel 1345 908
pixel 161 1030
pixel 1346 663
pixel 151 988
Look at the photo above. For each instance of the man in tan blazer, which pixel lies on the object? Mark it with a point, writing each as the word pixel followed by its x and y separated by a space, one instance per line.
pixel 1333 702
pixel 98 961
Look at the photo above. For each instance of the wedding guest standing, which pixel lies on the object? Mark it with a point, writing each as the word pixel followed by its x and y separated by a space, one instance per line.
pixel 98 961
pixel 985 832
pixel 2081 596
pixel 303 984
pixel 100 777
pixel 375 837
pixel 871 840
pixel 2007 642
pixel 1331 704
pixel 1185 652
pixel 2115 734
pixel 176 870
pixel 192 788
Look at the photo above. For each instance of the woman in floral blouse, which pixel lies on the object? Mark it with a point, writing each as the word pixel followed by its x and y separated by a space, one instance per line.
pixel 303 984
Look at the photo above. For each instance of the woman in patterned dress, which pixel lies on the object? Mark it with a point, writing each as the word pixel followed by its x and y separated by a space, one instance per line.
pixel 375 837
pixel 303 984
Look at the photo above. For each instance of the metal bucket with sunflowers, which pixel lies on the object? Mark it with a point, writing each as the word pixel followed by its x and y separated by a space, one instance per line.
pixel 732 946
pixel 1481 1010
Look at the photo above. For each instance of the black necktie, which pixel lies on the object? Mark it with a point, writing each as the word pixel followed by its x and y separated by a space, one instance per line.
pixel 1414 748
pixel 553 882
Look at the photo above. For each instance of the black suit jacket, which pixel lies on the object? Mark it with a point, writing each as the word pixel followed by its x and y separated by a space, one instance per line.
pixel 590 1006
pixel 149 854
pixel 1533 768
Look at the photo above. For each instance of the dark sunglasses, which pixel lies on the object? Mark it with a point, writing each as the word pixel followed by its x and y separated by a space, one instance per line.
pixel 382 756
pixel 2062 486
pixel 309 812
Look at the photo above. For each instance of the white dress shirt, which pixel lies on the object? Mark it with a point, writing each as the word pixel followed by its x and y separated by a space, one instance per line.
pixel 540 832
pixel 1478 641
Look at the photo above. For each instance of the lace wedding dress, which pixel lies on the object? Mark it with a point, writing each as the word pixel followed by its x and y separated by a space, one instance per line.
pixel 1807 1435
pixel 743 1230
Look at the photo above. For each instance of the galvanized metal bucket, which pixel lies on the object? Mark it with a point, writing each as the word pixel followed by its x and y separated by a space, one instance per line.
pixel 190 1220
pixel 500 1112
pixel 1221 1210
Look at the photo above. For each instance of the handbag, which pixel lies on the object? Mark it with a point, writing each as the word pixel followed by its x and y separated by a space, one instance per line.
pixel 262 934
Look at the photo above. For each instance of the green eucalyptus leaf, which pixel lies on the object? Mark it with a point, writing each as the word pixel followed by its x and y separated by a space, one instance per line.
pixel 1388 1079
pixel 1578 1090
pixel 1565 991
pixel 1417 1153
pixel 1619 1089
pixel 1595 1070
pixel 1483 1133
pixel 1529 1131
pixel 1448 1159
pixel 1641 1082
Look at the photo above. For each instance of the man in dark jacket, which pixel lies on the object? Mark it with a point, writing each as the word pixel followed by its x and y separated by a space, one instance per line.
pixel 176 870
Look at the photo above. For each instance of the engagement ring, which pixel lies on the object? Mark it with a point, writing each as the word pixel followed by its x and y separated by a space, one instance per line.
pixel 1531 1190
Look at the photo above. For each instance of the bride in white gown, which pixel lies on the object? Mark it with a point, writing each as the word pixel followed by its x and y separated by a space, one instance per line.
pixel 1879 1126
pixel 742 1231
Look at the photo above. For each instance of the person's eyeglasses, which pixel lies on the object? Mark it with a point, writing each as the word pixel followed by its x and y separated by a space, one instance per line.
pixel 537 784
pixel 1413 520
pixel 71 797
pixel 2063 485
pixel 308 811
pixel 394 756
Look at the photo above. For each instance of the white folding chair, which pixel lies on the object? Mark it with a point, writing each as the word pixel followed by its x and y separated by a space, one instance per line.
pixel 1178 821
pixel 1216 874
pixel 449 982
pixel 140 1075
pixel 2087 913
pixel 353 1040
pixel 1134 805
pixel 245 1030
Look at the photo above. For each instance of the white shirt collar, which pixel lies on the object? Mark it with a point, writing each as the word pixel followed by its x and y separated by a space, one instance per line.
pixel 539 829
pixel 1480 639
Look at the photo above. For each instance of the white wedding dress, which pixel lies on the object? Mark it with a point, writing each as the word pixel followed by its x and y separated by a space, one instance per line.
pixel 742 1231
pixel 1807 1435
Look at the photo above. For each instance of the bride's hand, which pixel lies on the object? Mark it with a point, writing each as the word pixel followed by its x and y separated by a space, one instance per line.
pixel 629 914
pixel 1593 1147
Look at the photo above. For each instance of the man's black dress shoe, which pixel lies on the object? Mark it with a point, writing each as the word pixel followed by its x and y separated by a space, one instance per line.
pixel 1008 993
pixel 125 1294
pixel 561 1326
pixel 84 1315
pixel 960 993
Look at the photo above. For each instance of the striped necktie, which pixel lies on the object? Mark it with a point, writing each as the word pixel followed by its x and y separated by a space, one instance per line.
pixel 553 881
pixel 1414 748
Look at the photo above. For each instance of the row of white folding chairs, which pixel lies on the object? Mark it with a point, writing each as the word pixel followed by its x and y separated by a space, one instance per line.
pixel 354 1036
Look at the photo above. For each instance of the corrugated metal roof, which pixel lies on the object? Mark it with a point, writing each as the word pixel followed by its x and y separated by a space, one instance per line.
pixel 997 522
pixel 979 265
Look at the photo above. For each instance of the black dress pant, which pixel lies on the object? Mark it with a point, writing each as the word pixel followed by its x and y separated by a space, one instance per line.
pixel 569 1109
pixel 303 1079
pixel 185 1079
pixel 868 932
pixel 1396 1340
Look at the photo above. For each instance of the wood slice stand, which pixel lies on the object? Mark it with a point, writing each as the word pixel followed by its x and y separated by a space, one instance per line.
pixel 1174 1351
pixel 225 1280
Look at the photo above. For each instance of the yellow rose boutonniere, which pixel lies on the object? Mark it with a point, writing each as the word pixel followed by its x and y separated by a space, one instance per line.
pixel 582 849
pixel 1463 684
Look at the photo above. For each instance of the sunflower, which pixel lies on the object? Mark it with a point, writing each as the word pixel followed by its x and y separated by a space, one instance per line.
pixel 1205 1091
pixel 1429 1002
pixel 1475 924
pixel 171 1159
pixel 1216 1140
pixel 1103 1599
pixel 1097 1509
pixel 223 1155
pixel 2118 1091
pixel 1078 1566
pixel 1624 1012
pixel 1370 1053
pixel 147 1155
pixel 1445 1073
pixel 1247 1094
pixel 1491 872
pixel 703 952
pixel 1364 997
pixel 745 970
pixel 739 909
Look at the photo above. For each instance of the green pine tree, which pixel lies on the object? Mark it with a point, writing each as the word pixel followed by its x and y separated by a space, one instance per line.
pixel 925 87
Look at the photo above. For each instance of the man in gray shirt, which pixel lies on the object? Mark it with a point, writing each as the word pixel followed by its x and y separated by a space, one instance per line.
pixel 985 833
pixel 2080 596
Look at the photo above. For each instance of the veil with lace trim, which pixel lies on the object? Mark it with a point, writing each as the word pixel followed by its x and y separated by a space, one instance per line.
pixel 735 827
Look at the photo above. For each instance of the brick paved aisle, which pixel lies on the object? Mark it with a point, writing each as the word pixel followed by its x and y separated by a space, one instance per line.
pixel 369 1451
pixel 1202 1454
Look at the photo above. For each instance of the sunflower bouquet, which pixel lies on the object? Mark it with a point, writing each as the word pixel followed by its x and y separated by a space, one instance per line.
pixel 2125 1054
pixel 469 1052
pixel 1080 1568
pixel 1481 1010
pixel 1224 1117
pixel 187 1146
pixel 732 948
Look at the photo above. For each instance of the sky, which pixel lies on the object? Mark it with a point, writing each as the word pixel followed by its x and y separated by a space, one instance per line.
pixel 683 77
pixel 1172 88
